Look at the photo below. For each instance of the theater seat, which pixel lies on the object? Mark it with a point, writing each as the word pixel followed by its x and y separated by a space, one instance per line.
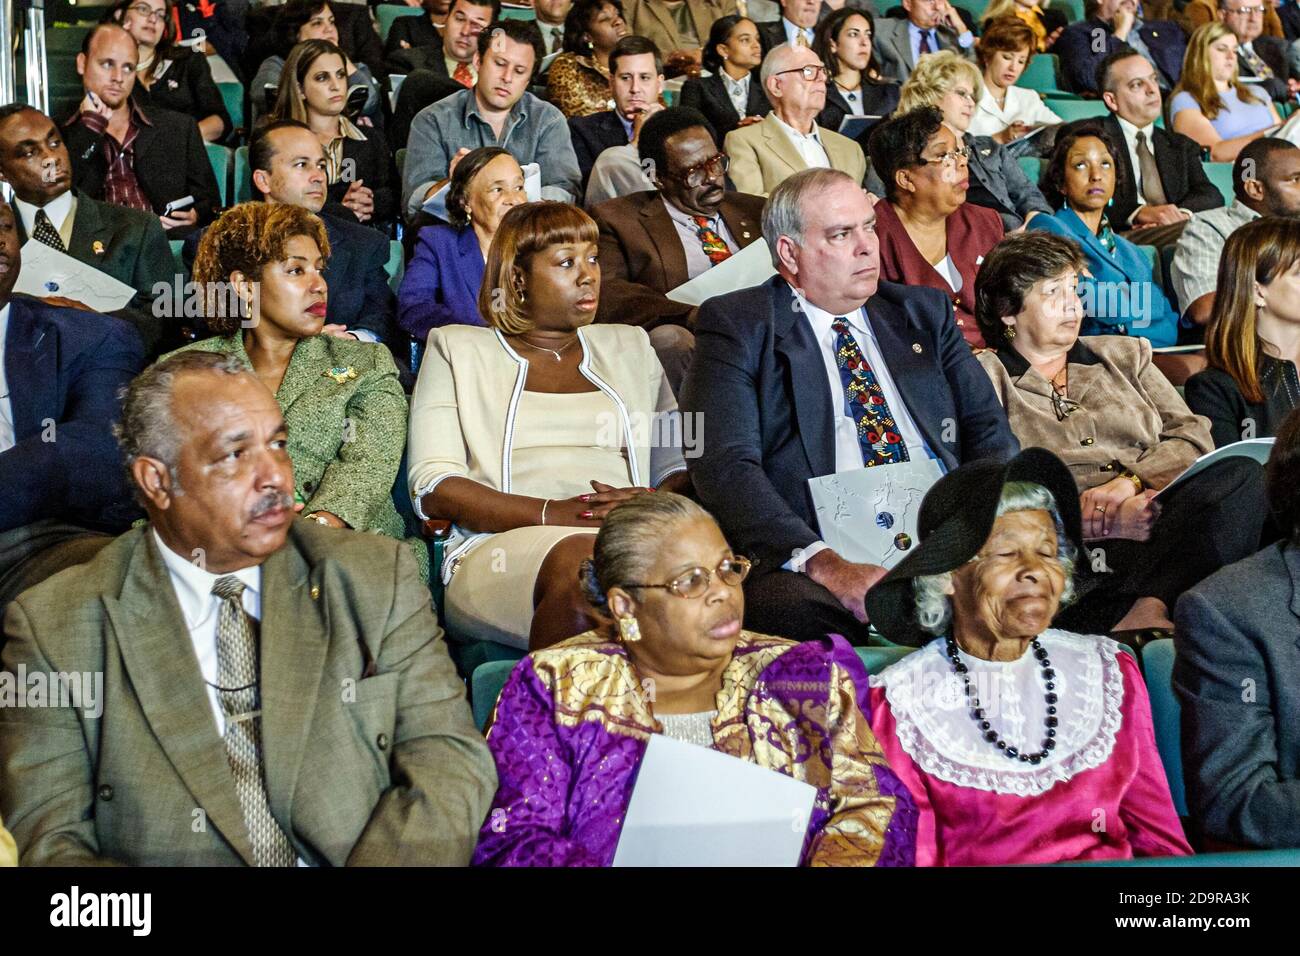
pixel 485 687
pixel 1158 656
pixel 1071 110
pixel 1244 858
pixel 1041 74
pixel 222 160
pixel 876 659
pixel 1221 175
pixel 386 13
pixel 243 176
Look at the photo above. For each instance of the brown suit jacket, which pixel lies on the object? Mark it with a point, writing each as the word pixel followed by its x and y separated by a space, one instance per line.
pixel 656 23
pixel 641 255
pixel 1128 411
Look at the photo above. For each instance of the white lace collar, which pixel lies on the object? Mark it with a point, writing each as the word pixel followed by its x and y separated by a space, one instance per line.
pixel 935 726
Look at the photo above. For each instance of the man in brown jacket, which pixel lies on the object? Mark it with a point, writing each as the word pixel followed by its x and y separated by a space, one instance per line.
pixel 234 686
pixel 651 242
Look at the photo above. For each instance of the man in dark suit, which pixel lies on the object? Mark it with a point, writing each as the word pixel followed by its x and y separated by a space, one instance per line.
pixel 796 26
pixel 129 156
pixel 282 684
pixel 1237 676
pixel 1260 59
pixel 930 26
pixel 1110 26
pixel 409 33
pixel 437 70
pixel 60 372
pixel 127 244
pixel 652 242
pixel 1159 179
pixel 288 166
pixel 636 80
pixel 769 383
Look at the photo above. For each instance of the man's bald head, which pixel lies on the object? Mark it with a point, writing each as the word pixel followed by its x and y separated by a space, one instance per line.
pixel 107 63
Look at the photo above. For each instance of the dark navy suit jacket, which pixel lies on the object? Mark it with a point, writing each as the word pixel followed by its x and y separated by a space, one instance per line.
pixel 759 380
pixel 64 368
pixel 592 135
pixel 359 296
pixel 442 282
pixel 1080 56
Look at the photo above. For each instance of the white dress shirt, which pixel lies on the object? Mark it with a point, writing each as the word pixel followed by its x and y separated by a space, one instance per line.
pixel 200 607
pixel 7 437
pixel 792 32
pixel 697 261
pixel 807 145
pixel 616 172
pixel 1020 104
pixel 848 450
pixel 60 212
pixel 737 91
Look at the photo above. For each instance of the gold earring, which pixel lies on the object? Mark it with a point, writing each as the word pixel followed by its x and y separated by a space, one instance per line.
pixel 629 630
pixel 1010 332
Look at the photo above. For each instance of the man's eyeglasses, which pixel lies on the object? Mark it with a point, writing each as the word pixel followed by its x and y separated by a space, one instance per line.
pixel 1246 11
pixel 810 73
pixel 695 582
pixel 697 175
pixel 949 158
pixel 146 12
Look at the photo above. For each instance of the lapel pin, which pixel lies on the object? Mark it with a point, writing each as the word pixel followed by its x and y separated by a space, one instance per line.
pixel 744 235
pixel 51 286
pixel 315 592
pixel 97 247
pixel 341 373
pixel 916 347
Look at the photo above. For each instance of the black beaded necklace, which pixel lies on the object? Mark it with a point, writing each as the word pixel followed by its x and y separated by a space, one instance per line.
pixel 981 720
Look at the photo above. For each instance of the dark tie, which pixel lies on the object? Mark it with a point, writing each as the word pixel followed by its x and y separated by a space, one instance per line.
pixel 240 695
pixel 877 433
pixel 1153 191
pixel 557 39
pixel 46 233
pixel 925 47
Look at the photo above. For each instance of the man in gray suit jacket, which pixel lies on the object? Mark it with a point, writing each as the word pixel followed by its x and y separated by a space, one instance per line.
pixel 245 688
pixel 931 26
pixel 1237 675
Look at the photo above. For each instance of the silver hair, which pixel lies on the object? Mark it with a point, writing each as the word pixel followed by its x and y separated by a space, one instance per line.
pixel 934 606
pixel 147 428
pixel 783 213
pixel 629 540
pixel 771 61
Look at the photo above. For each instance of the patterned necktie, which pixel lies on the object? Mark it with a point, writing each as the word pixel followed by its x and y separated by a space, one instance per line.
pixel 877 432
pixel 715 247
pixel 45 232
pixel 1153 191
pixel 557 39
pixel 240 696
pixel 925 47
pixel 1257 64
pixel 462 75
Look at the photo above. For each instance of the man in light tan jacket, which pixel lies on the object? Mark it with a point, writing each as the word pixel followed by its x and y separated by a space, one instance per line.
pixel 788 139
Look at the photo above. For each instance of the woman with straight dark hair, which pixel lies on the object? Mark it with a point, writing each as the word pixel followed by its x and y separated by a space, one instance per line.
pixel 856 86
pixel 1253 340
pixel 732 96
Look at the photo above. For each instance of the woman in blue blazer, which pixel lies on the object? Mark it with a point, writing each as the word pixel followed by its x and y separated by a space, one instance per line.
pixel 1120 297
pixel 442 282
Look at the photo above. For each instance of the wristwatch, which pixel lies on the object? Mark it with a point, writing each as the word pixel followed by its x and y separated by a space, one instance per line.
pixel 1122 472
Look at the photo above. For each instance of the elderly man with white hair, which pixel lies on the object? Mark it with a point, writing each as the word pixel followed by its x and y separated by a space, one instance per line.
pixel 788 139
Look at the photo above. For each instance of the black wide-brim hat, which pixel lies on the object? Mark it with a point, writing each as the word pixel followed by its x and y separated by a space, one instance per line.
pixel 956 518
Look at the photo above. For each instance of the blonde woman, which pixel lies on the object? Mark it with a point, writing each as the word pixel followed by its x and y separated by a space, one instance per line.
pixel 525 434
pixel 314 90
pixel 1211 105
pixel 952 84
pixel 1046 24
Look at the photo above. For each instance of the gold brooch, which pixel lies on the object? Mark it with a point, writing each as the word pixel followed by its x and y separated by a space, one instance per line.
pixel 341 374
pixel 97 247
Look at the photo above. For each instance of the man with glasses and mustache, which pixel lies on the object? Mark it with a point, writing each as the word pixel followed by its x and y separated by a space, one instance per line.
pixel 1260 59
pixel 788 139
pixel 652 242
pixel 253 711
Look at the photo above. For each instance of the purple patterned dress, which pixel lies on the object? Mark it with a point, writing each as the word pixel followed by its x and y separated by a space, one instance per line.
pixel 572 724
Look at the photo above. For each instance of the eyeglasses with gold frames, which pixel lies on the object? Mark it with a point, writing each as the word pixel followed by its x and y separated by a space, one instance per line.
pixel 695 582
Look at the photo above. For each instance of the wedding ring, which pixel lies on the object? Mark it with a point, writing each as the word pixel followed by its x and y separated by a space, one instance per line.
pixel 1101 508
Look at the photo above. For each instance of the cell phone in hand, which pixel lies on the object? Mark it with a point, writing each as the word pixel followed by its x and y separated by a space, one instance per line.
pixel 356 102
pixel 177 205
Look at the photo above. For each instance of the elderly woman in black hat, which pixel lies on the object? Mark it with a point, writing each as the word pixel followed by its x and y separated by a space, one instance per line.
pixel 1020 743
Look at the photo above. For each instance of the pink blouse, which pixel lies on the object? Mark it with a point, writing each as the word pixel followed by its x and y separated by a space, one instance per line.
pixel 1101 795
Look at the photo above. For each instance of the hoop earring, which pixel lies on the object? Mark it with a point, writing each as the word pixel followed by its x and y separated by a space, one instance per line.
pixel 629 631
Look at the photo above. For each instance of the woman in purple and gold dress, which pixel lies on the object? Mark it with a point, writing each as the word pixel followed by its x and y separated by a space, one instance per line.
pixel 572 723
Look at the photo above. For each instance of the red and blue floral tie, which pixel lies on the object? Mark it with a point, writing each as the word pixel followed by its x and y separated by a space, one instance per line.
pixel 877 433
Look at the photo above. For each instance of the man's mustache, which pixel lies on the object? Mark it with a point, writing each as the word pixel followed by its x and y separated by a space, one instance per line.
pixel 270 501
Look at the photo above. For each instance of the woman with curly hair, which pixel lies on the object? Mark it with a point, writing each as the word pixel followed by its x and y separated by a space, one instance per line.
pixel 261 267
pixel 578 81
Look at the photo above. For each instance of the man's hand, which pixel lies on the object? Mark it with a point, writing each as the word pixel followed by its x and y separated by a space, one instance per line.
pixel 1123 21
pixel 186 217
pixel 849 582
pixel 639 118
pixel 750 120
pixel 1012 132
pixel 1052 38
pixel 1164 215
pixel 455 161
pixel 360 199
pixel 336 330
pixel 91 103
pixel 1134 519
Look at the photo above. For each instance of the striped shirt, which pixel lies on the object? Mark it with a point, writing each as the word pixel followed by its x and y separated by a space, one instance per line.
pixel 1195 268
pixel 121 187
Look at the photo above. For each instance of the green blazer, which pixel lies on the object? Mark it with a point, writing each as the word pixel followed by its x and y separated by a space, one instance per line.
pixel 370 751
pixel 345 437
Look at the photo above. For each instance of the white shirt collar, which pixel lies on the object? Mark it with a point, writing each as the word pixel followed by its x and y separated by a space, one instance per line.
pixel 821 320
pixel 1130 131
pixel 193 584
pixel 792 31
pixel 56 209
pixel 684 217
pixel 794 134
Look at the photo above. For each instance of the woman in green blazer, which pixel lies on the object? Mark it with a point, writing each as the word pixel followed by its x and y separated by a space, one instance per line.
pixel 260 268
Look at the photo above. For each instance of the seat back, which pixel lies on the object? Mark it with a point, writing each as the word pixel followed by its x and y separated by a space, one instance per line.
pixel 1221 175
pixel 1070 109
pixel 232 94
pixel 1158 656
pixel 395 266
pixel 1033 167
pixel 243 176
pixel 1041 74
pixel 386 13
pixel 876 659
pixel 222 160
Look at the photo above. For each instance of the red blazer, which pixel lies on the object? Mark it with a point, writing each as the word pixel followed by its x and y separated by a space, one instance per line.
pixel 973 231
